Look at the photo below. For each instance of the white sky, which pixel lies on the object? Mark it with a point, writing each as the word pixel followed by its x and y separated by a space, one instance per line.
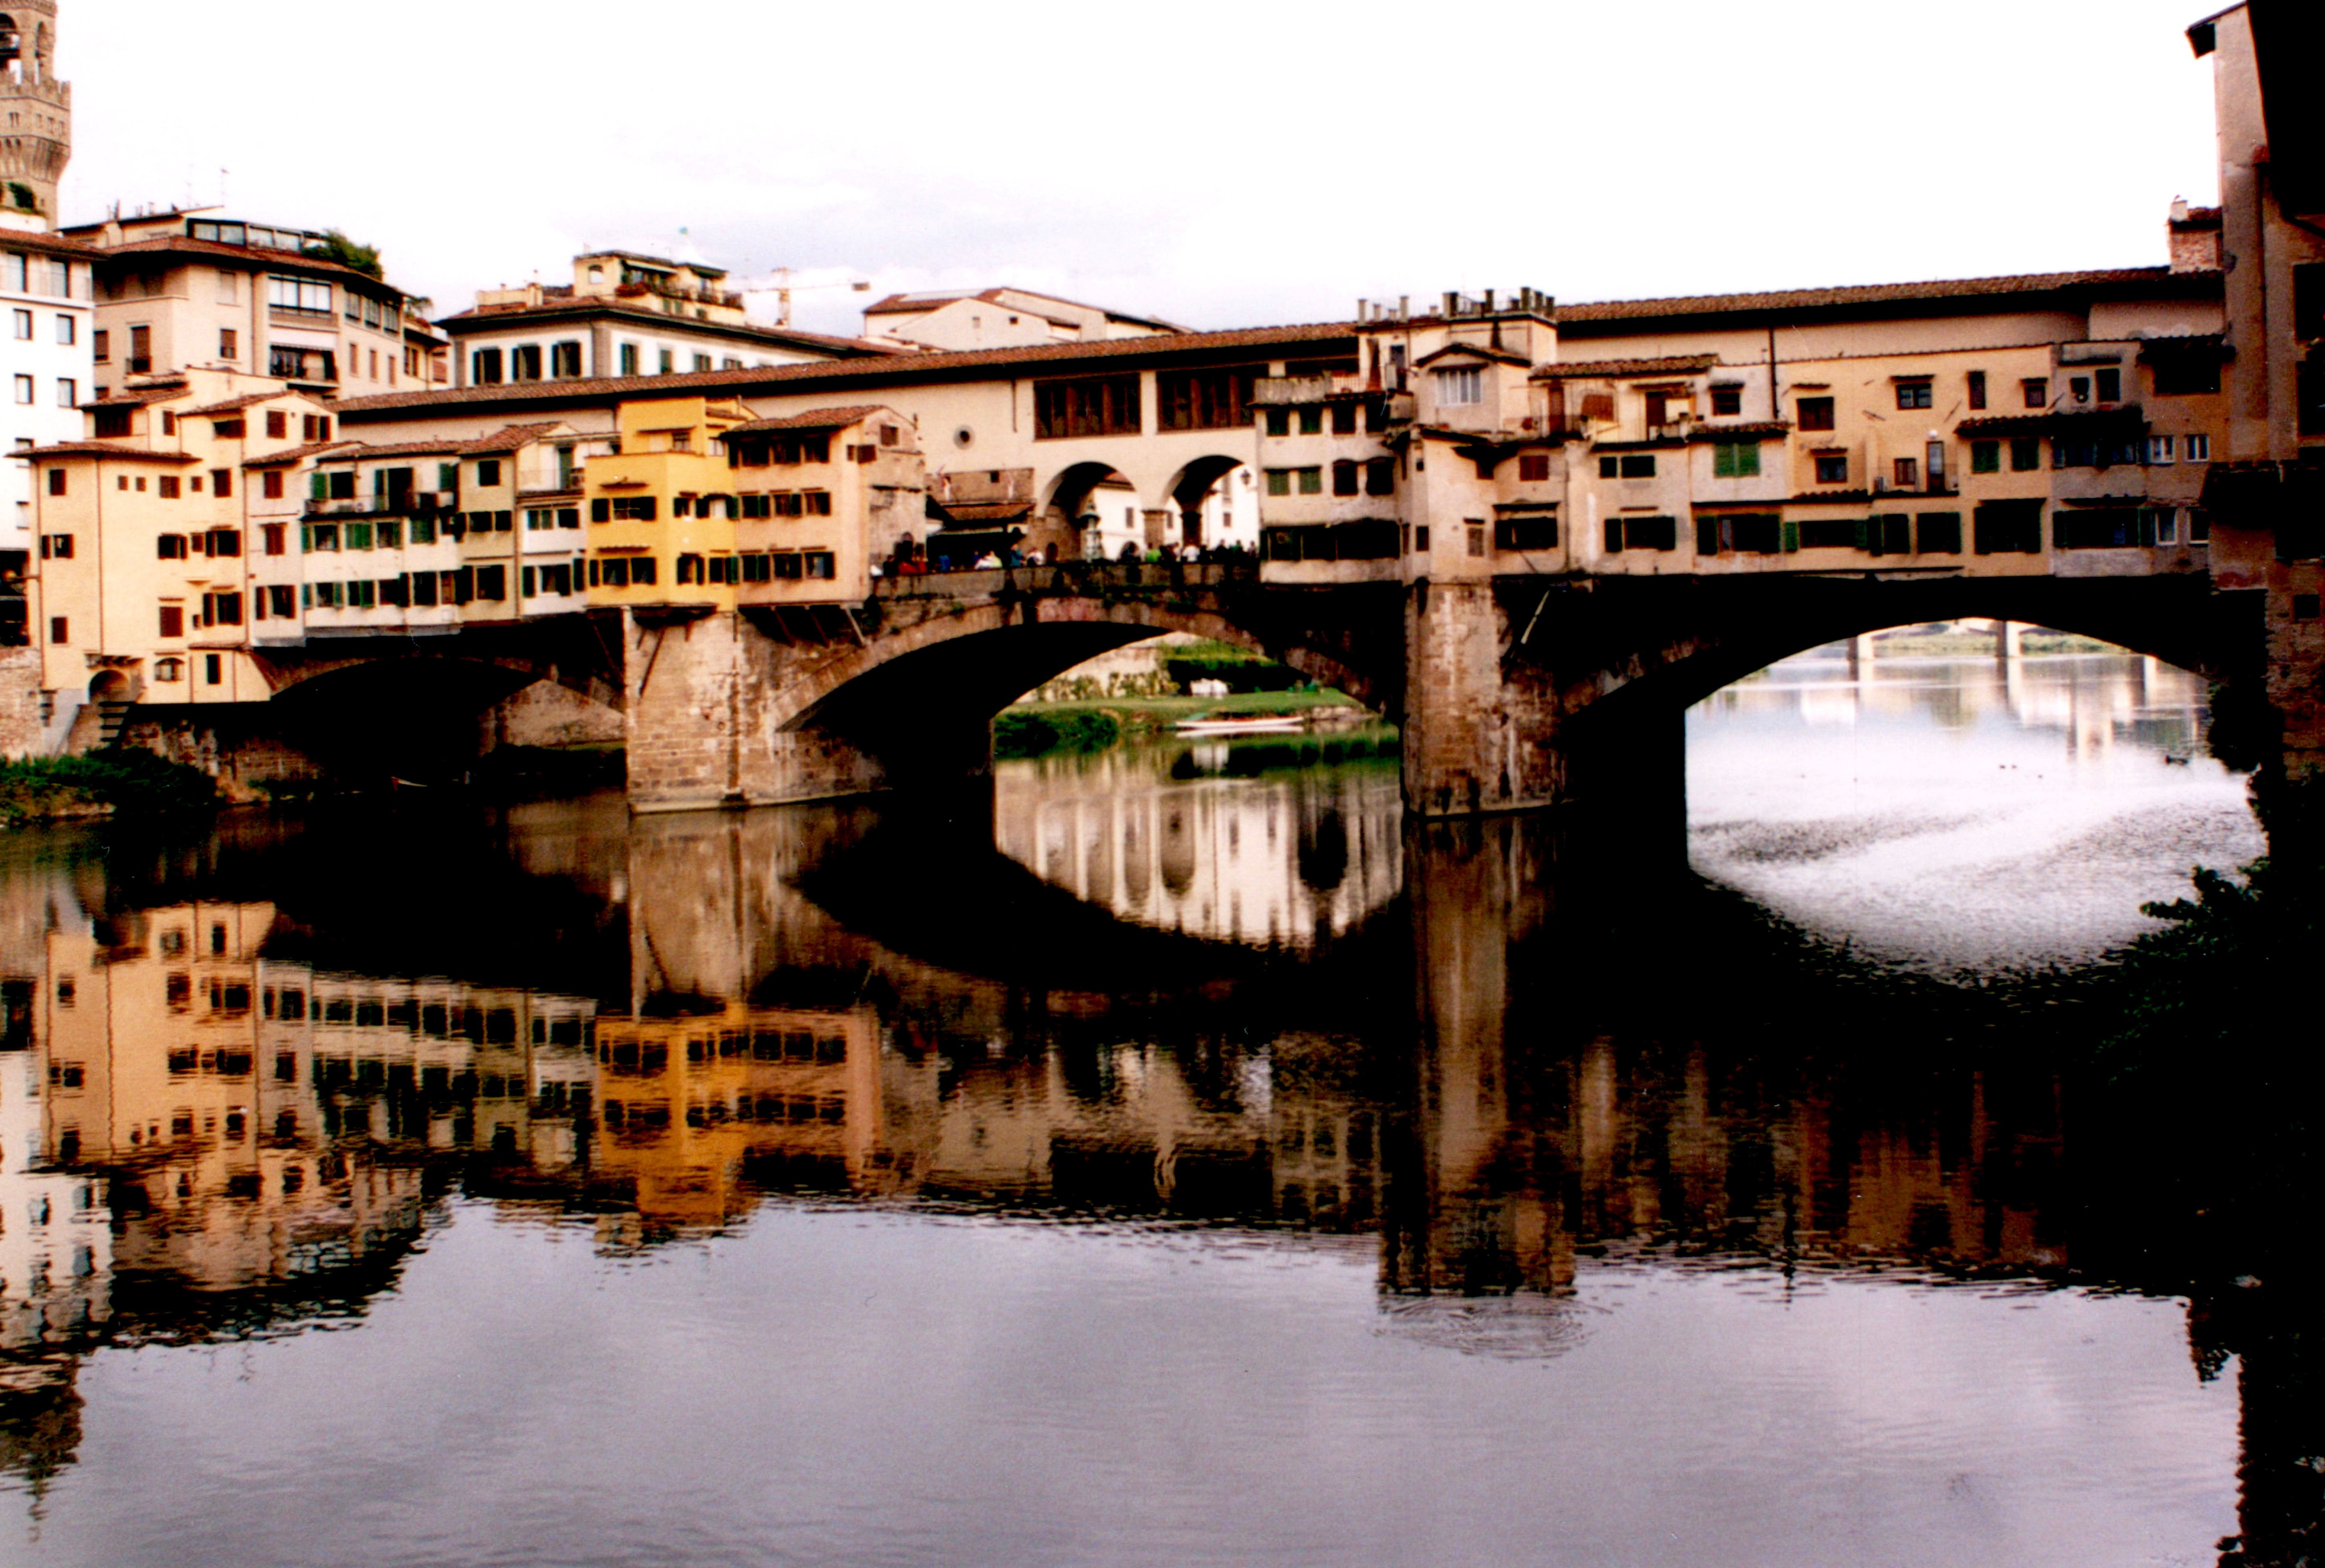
pixel 1217 164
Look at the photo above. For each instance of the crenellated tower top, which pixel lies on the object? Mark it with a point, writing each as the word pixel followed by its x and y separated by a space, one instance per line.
pixel 35 111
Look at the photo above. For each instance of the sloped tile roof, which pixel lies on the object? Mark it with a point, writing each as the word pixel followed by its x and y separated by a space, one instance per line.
pixel 1616 369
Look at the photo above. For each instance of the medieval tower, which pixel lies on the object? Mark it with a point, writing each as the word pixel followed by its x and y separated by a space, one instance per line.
pixel 35 110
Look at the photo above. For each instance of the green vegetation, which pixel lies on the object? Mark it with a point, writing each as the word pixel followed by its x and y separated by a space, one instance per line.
pixel 104 784
pixel 335 246
pixel 1250 758
pixel 1241 669
pixel 1020 732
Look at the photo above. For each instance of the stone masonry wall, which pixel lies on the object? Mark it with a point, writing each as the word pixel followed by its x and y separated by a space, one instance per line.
pixel 20 702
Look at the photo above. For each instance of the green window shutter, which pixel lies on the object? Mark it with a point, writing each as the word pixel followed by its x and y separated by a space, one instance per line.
pixel 1723 460
pixel 317 485
pixel 1791 537
pixel 1747 460
pixel 1862 528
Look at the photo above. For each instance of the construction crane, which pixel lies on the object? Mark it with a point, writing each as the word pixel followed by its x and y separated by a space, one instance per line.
pixel 779 283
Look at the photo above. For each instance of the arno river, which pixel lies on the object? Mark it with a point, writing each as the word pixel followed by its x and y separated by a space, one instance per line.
pixel 1188 1163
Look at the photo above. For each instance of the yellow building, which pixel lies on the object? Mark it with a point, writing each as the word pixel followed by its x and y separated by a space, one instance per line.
pixel 702 505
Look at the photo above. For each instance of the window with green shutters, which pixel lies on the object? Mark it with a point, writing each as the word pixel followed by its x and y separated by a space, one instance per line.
pixel 1736 460
pixel 1986 457
pixel 1939 533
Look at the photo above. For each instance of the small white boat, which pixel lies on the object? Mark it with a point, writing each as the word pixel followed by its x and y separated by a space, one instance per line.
pixel 1256 724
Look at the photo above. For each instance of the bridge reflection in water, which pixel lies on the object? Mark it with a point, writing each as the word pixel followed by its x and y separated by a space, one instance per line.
pixel 215 1128
pixel 1204 838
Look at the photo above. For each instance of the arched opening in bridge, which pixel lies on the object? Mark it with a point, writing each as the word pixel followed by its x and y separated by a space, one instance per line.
pixel 432 720
pixel 1214 506
pixel 1972 794
pixel 1089 512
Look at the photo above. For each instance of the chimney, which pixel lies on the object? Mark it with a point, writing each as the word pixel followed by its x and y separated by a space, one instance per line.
pixel 2194 238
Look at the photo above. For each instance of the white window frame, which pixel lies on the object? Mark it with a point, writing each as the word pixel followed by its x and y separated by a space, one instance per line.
pixel 2198 447
pixel 2159 450
pixel 1460 386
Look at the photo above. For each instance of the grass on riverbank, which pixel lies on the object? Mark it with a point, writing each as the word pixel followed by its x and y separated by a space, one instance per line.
pixel 102 785
pixel 1038 729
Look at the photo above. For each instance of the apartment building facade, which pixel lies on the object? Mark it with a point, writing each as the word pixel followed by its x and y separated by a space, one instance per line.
pixel 2059 424
pixel 45 336
pixel 202 290
pixel 625 315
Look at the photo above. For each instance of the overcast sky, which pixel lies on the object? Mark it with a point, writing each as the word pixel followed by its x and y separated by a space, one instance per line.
pixel 1217 164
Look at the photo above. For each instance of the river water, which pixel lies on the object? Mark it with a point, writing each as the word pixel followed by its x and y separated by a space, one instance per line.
pixel 1183 1162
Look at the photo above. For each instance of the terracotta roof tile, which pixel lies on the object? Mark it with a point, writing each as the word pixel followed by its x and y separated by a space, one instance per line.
pixel 1755 429
pixel 1864 294
pixel 478 317
pixel 137 397
pixel 233 405
pixel 781 378
pixel 813 419
pixel 290 456
pixel 1482 351
pixel 1613 369
pixel 109 450
pixel 260 258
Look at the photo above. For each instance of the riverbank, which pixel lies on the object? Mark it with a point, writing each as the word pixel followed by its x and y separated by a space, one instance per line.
pixel 111 783
pixel 1026 729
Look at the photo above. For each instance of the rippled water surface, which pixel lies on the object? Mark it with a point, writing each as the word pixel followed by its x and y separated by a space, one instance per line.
pixel 1179 1161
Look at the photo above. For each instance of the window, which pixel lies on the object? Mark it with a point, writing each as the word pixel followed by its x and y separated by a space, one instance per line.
pixel 1311 421
pixel 222 609
pixel 1203 399
pixel 2110 385
pixel 565 360
pixel 1629 466
pixel 141 349
pixel 229 343
pixel 173 620
pixel 629 360
pixel 278 425
pixel 492 582
pixel 488 473
pixel 1344 477
pixel 1976 383
pixel 1641 534
pixel 56 547
pixel 269 483
pixel 1913 393
pixel 2159 450
pixel 1938 533
pixel 2026 454
pixel 1534 468
pixel 1475 529
pixel 2196 449
pixel 2034 392
pixel 67 330
pixel 168 671
pixel 524 362
pixel 1735 459
pixel 485 367
pixel 627 509
pixel 1461 386
pixel 1816 413
pixel 100 343
pixel 1279 481
pixel 1087 406
pixel 56 481
pixel 271 537
pixel 1986 457
pixel 60 629
pixel 1520 533
pixel 1279 422
pixel 1726 400
pixel 1420 540
pixel 297 296
pixel 2007 528
pixel 1907 472
pixel 169 547
pixel 667 362
pixel 23 322
pixel 1832 469
pixel 23 389
pixel 1312 481
pixel 1344 419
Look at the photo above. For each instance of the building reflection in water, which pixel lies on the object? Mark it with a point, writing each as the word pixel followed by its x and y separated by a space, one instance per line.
pixel 2095 701
pixel 241 1142
pixel 1205 840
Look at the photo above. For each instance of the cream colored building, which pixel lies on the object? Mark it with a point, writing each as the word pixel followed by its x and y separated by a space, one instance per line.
pixel 201 289
pixel 625 315
pixel 1001 317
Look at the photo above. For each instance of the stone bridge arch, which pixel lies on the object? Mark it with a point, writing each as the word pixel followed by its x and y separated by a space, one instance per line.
pixel 753 707
pixel 1576 690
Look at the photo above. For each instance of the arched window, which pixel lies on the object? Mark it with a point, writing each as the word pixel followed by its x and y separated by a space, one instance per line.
pixel 168 670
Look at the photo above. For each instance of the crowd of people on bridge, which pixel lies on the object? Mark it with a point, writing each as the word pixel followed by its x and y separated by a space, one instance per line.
pixel 988 553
